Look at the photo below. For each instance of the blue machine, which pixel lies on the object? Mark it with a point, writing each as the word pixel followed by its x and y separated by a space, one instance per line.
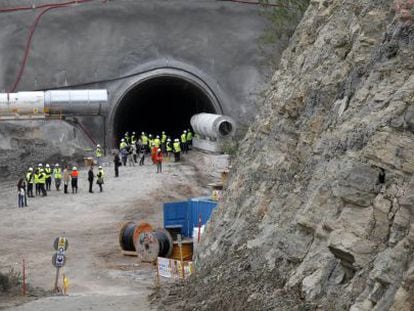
pixel 184 215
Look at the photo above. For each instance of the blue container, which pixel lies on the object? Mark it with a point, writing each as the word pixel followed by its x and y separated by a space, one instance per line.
pixel 176 214
pixel 200 208
pixel 185 214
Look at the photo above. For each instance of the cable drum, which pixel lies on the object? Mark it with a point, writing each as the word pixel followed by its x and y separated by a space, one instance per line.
pixel 151 245
pixel 126 236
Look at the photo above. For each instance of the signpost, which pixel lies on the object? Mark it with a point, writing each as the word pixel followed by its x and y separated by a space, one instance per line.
pixel 60 244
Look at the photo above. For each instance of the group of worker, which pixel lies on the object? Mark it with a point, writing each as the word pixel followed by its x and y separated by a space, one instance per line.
pixel 133 147
pixel 40 180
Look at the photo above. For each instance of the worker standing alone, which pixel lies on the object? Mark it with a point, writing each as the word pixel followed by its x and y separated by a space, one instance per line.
pixel 98 154
pixel 100 178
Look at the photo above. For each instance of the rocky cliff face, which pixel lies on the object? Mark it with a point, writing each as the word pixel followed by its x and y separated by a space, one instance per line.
pixel 318 214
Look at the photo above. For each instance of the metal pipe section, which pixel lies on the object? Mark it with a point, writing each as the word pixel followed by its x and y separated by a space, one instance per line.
pixel 40 105
pixel 213 125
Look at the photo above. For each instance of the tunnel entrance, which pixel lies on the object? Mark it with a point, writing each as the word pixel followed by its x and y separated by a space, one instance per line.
pixel 164 103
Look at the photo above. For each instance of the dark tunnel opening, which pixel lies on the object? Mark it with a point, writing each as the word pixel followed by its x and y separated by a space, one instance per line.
pixel 160 104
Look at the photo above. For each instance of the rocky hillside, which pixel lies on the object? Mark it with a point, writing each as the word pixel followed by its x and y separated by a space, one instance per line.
pixel 318 213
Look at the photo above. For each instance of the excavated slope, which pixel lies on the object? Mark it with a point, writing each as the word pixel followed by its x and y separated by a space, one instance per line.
pixel 318 214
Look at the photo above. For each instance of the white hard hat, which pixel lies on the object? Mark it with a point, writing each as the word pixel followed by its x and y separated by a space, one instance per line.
pixel 47 165
pixel 168 139
pixel 142 133
pixel 176 139
pixel 98 145
pixel 158 150
pixel 122 139
pixel 40 165
pixel 57 164
pixel 74 168
pixel 30 169
pixel 100 167
pixel 163 132
pixel 185 131
pixel 158 136
pixel 150 135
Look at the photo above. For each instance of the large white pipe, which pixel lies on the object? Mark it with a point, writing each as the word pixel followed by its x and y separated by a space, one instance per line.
pixel 23 105
pixel 213 125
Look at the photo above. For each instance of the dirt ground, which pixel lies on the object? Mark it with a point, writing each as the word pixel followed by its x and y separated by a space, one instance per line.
pixel 100 277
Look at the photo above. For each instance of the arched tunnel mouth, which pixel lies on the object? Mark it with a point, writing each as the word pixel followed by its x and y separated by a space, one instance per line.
pixel 164 103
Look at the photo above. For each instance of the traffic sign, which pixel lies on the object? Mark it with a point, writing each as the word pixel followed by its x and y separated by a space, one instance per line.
pixel 61 244
pixel 58 260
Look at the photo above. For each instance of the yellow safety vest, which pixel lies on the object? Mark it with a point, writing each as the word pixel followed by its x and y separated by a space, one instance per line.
pixel 57 172
pixel 36 177
pixel 169 147
pixel 100 175
pixel 157 142
pixel 48 172
pixel 189 136
pixel 29 177
pixel 123 145
pixel 163 138
pixel 177 147
pixel 98 152
pixel 144 140
pixel 42 177
pixel 183 138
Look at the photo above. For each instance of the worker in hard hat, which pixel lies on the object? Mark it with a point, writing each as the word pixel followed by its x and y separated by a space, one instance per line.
pixel 42 181
pixel 99 154
pixel 189 139
pixel 57 175
pixel 169 149
pixel 158 160
pixel 176 150
pixel 36 180
pixel 123 144
pixel 184 141
pixel 30 182
pixel 74 179
pixel 133 138
pixel 157 142
pixel 126 138
pixel 150 141
pixel 100 178
pixel 144 141
pixel 48 173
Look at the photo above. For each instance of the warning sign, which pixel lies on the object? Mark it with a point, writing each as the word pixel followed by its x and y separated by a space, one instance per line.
pixel 171 268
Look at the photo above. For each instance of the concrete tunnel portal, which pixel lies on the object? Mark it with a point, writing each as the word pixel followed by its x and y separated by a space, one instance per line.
pixel 161 103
